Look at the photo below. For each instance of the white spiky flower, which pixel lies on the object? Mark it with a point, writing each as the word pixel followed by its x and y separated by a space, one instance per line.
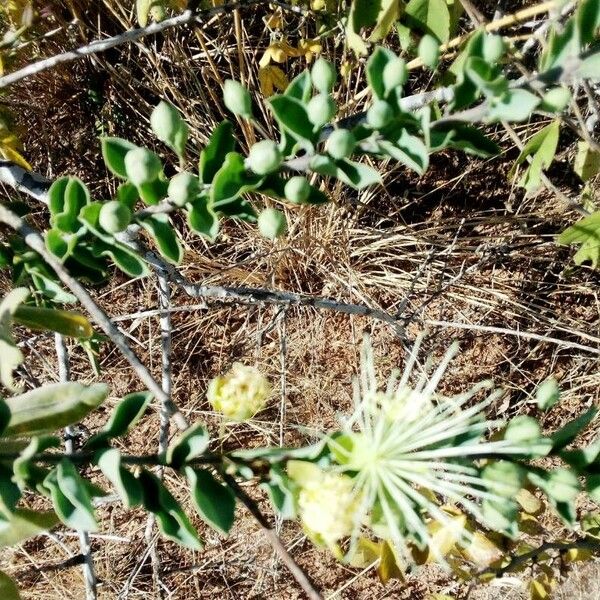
pixel 403 443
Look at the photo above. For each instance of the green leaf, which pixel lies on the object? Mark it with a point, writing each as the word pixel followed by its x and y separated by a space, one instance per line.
pixel 516 106
pixel 487 78
pixel 23 524
pixel 587 233
pixel 114 150
pixel 463 137
pixel 124 258
pixel 27 473
pixel 292 116
pixel 67 323
pixel 563 43
pixel 52 407
pixel 300 87
pixel 389 11
pixel 282 493
pixel 587 161
pixel 213 501
pixel 70 497
pixel 66 197
pixel 220 143
pixel 202 218
pixel 126 485
pixel 409 150
pixel 163 233
pixel 10 493
pixel 588 20
pixel 363 13
pixel 357 175
pixel 8 588
pixel 10 356
pixel 375 66
pixel 153 191
pixel 430 16
pixel 190 444
pixel 567 434
pixel 541 148
pixel 171 520
pixel 125 415
pixel 231 181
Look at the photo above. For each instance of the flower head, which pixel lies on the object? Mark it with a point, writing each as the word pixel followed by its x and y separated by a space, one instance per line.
pixel 240 393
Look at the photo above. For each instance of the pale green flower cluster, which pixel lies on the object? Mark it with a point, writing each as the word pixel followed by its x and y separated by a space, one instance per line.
pixel 240 393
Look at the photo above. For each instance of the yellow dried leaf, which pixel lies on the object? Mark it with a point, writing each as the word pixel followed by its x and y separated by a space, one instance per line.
pixel 310 48
pixel 317 4
pixel 9 153
pixel 346 70
pixel 388 565
pixel 577 554
pixel 367 552
pixel 279 52
pixel 537 591
pixel 274 21
pixel 271 78
pixel 481 550
pixel 444 536
pixel 529 503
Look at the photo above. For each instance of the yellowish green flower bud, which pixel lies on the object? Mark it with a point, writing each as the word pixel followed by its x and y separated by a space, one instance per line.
pixel 429 51
pixel 142 166
pixel 114 217
pixel 272 223
pixel 237 98
pixel 493 48
pixel 341 143
pixel 297 189
pixel 183 188
pixel 323 75
pixel 321 109
pixel 379 114
pixel 240 393
pixel 264 157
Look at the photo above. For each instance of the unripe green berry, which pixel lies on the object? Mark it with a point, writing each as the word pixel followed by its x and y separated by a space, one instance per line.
pixel 395 74
pixel 183 188
pixel 165 121
pixel 493 48
pixel 323 75
pixel 563 485
pixel 340 144
pixel 547 393
pixel 237 98
pixel 272 223
pixel 321 109
pixel 142 166
pixel 429 51
pixel 114 217
pixel 379 114
pixel 297 189
pixel 556 99
pixel 264 157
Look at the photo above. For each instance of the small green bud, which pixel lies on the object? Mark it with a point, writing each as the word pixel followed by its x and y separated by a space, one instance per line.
pixel 340 144
pixel 114 217
pixel 563 485
pixel 429 51
pixel 297 189
pixel 321 109
pixel 379 114
pixel 547 393
pixel 503 478
pixel 142 166
pixel 323 75
pixel 493 48
pixel 556 99
pixel 272 223
pixel 237 98
pixel 183 188
pixel 169 127
pixel 522 429
pixel 395 74
pixel 264 157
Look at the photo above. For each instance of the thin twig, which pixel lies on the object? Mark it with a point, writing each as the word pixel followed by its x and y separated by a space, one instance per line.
pixel 299 575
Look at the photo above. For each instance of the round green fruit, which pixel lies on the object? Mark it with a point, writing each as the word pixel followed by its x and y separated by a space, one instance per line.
pixel 341 143
pixel 493 48
pixel 321 109
pixel 165 121
pixel 556 99
pixel 379 114
pixel 264 157
pixel 237 98
pixel 272 223
pixel 429 51
pixel 395 74
pixel 114 217
pixel 142 166
pixel 183 188
pixel 297 189
pixel 323 75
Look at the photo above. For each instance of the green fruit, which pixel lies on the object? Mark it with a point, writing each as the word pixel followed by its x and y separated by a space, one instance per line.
pixel 272 223
pixel 264 157
pixel 562 485
pixel 379 114
pixel 142 166
pixel 493 48
pixel 321 109
pixel 341 143
pixel 503 478
pixel 297 189
pixel 429 51
pixel 237 98
pixel 183 188
pixel 114 217
pixel 547 393
pixel 556 99
pixel 395 74
pixel 168 126
pixel 323 75
pixel 522 429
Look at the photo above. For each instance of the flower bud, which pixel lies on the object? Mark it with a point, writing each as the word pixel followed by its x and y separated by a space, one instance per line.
pixel 114 217
pixel 264 157
pixel 323 75
pixel 395 74
pixel 321 109
pixel 556 99
pixel 503 478
pixel 547 393
pixel 563 485
pixel 272 223
pixel 493 48
pixel 379 114
pixel 341 143
pixel 429 51
pixel 297 189
pixel 240 393
pixel 142 166
pixel 237 98
pixel 183 188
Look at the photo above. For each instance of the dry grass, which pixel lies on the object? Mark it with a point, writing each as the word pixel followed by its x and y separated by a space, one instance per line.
pixel 460 244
